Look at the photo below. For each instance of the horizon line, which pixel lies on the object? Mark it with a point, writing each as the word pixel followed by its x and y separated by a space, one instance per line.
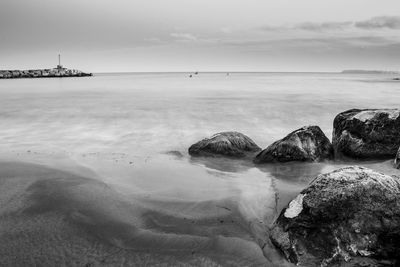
pixel 360 71
pixel 107 72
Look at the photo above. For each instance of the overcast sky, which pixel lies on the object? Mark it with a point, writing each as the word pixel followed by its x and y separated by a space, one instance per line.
pixel 204 35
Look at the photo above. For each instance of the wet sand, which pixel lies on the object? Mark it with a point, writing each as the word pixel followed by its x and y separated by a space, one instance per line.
pixel 82 217
pixel 53 217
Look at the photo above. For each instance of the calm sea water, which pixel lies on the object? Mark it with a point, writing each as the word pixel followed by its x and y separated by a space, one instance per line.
pixel 132 131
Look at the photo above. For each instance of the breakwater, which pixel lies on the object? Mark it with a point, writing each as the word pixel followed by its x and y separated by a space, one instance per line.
pixel 42 73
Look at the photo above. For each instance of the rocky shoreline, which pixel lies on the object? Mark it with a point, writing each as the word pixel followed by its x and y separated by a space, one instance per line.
pixel 346 217
pixel 357 134
pixel 42 73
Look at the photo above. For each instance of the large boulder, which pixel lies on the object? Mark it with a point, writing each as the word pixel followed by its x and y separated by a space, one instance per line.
pixel 230 144
pixel 367 133
pixel 349 216
pixel 305 144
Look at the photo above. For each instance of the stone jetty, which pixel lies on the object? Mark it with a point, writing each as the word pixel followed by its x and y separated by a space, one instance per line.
pixel 56 72
pixel 42 73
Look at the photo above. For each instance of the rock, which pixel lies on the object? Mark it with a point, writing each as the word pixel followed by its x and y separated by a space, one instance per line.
pixel 397 159
pixel 347 216
pixel 305 144
pixel 174 153
pixel 367 133
pixel 231 144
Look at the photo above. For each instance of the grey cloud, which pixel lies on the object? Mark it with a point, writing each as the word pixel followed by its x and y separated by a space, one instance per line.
pixel 389 22
pixel 273 28
pixel 311 26
pixel 315 43
pixel 183 36
pixel 375 23
pixel 325 51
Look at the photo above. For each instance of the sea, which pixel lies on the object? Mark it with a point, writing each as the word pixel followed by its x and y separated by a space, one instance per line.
pixel 107 179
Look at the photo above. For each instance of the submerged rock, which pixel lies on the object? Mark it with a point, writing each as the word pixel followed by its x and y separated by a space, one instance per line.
pixel 174 153
pixel 350 215
pixel 305 144
pixel 231 144
pixel 367 133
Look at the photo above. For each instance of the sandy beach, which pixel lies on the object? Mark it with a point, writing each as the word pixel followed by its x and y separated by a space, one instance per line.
pixel 85 218
pixel 50 216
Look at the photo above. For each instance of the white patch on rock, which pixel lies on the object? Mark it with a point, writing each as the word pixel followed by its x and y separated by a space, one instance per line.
pixel 394 114
pixel 370 114
pixel 365 253
pixel 296 141
pixel 295 207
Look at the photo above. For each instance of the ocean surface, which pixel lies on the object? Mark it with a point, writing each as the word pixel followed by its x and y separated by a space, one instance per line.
pixel 94 171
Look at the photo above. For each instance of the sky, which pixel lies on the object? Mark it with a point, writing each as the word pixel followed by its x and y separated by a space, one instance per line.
pixel 206 35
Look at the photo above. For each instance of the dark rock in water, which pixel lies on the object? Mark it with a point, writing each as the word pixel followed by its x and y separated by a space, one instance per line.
pixel 397 159
pixel 396 79
pixel 367 133
pixel 348 216
pixel 305 144
pixel 230 144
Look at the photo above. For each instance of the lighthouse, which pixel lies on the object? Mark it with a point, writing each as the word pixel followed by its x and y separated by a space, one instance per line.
pixel 59 66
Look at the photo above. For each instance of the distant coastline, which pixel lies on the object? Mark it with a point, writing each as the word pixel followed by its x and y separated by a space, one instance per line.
pixel 58 72
pixel 369 72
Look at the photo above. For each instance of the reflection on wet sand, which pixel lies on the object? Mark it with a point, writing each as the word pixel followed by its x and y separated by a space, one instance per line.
pixel 288 179
pixel 166 209
pixel 223 164
pixel 50 215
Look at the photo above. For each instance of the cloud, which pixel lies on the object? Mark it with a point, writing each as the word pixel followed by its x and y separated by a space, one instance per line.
pixel 184 37
pixel 152 40
pixel 389 22
pixel 273 28
pixel 312 26
pixel 314 44
pixel 375 23
pixel 226 30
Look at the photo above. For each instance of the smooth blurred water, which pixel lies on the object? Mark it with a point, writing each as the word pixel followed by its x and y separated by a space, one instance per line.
pixel 149 113
pixel 132 131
